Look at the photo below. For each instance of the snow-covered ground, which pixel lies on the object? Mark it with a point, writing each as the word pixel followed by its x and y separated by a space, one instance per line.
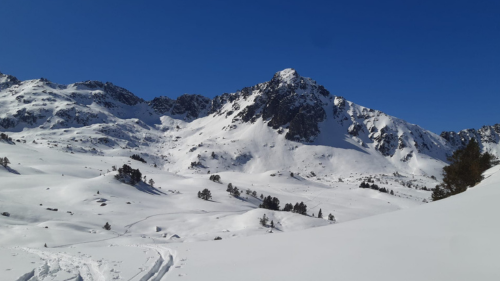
pixel 60 189
pixel 146 222
pixel 452 239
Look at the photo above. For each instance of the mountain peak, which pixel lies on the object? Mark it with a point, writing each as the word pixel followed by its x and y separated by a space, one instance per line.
pixel 288 75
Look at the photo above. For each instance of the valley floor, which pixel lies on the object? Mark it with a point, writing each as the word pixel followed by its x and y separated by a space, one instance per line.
pixel 167 232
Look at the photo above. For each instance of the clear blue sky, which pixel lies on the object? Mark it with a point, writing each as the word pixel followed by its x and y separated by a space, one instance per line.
pixel 433 63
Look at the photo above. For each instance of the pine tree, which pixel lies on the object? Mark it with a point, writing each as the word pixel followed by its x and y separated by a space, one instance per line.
pixel 107 226
pixel 4 162
pixel 272 224
pixel 465 170
pixel 236 192
pixel 263 221
pixel 230 188
pixel 320 214
pixel 151 182
pixel 331 218
pixel 205 194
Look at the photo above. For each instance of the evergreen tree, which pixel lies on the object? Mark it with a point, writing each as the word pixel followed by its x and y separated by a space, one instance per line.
pixel 288 207
pixel 272 224
pixel 205 194
pixel 107 226
pixel 215 178
pixel 465 170
pixel 230 188
pixel 320 214
pixel 151 182
pixel 236 192
pixel 264 220
pixel 270 203
pixel 300 208
pixel 331 218
pixel 261 196
pixel 128 175
pixel 5 162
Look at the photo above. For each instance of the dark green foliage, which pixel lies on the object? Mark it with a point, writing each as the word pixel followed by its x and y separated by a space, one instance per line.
pixel 300 208
pixel 263 221
pixel 4 162
pixel 392 192
pixel 272 224
pixel 331 217
pixel 233 190
pixel 128 175
pixel 107 226
pixel 5 137
pixel 254 194
pixel 138 158
pixel 465 170
pixel 288 207
pixel 236 192
pixel 261 196
pixel 364 185
pixel 320 214
pixel 215 178
pixel 151 182
pixel 218 238
pixel 205 194
pixel 271 203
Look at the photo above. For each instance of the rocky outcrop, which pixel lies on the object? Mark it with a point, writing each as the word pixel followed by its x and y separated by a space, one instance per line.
pixel 187 107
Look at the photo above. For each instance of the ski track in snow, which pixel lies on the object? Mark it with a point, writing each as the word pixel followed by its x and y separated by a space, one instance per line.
pixel 84 268
pixel 79 267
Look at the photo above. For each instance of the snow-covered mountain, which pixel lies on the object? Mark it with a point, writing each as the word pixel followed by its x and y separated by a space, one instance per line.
pixel 287 138
pixel 290 118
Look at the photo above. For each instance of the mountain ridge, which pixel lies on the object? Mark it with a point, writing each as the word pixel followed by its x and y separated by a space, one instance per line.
pixel 296 108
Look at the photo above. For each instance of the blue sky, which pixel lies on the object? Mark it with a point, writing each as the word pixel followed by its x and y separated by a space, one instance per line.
pixel 432 63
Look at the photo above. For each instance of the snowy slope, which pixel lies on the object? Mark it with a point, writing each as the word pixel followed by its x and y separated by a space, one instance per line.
pixel 450 239
pixel 453 239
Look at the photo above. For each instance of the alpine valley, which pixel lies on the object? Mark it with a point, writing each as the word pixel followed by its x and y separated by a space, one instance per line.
pixel 288 138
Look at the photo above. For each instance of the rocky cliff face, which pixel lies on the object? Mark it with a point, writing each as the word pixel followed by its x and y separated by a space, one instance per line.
pixel 488 137
pixel 187 107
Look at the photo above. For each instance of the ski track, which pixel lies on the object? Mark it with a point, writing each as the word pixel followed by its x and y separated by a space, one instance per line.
pixel 162 266
pixel 84 268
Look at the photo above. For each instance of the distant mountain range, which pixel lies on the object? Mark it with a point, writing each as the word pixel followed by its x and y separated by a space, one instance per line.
pixel 300 120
